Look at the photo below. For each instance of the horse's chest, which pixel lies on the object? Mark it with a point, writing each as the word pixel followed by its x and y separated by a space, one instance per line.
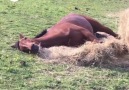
pixel 55 42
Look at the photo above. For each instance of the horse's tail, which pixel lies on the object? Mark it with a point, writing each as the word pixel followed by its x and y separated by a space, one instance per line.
pixel 41 34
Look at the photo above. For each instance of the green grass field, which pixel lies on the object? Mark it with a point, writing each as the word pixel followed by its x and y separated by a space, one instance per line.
pixel 30 17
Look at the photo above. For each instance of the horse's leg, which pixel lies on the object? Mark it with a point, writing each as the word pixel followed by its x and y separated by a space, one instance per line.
pixel 99 27
pixel 88 35
pixel 85 32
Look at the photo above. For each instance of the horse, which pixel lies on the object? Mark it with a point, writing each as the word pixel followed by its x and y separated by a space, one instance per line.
pixel 72 30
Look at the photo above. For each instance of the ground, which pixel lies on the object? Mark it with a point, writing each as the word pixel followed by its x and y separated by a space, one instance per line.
pixel 20 71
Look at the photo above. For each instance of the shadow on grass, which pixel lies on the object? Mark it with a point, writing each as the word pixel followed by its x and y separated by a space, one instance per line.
pixel 117 65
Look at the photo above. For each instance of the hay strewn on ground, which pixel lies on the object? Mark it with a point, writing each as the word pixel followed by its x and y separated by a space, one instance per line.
pixel 87 54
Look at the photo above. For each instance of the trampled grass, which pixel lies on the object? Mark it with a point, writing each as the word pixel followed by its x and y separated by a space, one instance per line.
pixel 20 71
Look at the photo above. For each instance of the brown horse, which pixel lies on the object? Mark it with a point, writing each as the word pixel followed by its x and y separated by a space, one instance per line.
pixel 71 30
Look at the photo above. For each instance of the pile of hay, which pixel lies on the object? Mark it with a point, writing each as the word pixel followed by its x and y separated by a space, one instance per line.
pixel 87 54
pixel 124 26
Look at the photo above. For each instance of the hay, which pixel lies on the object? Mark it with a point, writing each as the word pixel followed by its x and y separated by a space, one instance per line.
pixel 124 26
pixel 87 54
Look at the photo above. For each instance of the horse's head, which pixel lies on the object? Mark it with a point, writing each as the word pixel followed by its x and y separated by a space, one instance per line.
pixel 26 45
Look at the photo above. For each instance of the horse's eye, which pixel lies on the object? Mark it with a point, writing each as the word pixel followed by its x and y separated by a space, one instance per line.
pixel 25 38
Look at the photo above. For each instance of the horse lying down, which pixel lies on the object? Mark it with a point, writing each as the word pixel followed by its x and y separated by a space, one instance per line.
pixel 72 30
pixel 112 52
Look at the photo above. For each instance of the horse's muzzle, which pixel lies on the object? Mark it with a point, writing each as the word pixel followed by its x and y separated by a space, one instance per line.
pixel 34 49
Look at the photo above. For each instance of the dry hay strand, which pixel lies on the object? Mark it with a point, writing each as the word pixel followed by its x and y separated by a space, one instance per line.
pixel 124 26
pixel 87 54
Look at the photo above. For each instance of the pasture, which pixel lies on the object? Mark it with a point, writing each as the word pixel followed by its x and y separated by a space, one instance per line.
pixel 21 71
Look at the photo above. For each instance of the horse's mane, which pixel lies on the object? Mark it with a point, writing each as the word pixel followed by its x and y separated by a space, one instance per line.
pixel 41 34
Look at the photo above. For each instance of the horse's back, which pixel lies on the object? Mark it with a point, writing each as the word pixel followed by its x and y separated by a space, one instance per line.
pixel 76 20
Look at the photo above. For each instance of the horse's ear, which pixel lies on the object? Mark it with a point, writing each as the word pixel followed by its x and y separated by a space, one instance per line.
pixel 21 36
pixel 15 45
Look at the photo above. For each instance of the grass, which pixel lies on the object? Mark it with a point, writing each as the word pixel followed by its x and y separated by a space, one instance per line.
pixel 30 17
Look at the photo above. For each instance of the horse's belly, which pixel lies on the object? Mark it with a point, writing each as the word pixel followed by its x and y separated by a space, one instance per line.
pixel 76 42
pixel 76 39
